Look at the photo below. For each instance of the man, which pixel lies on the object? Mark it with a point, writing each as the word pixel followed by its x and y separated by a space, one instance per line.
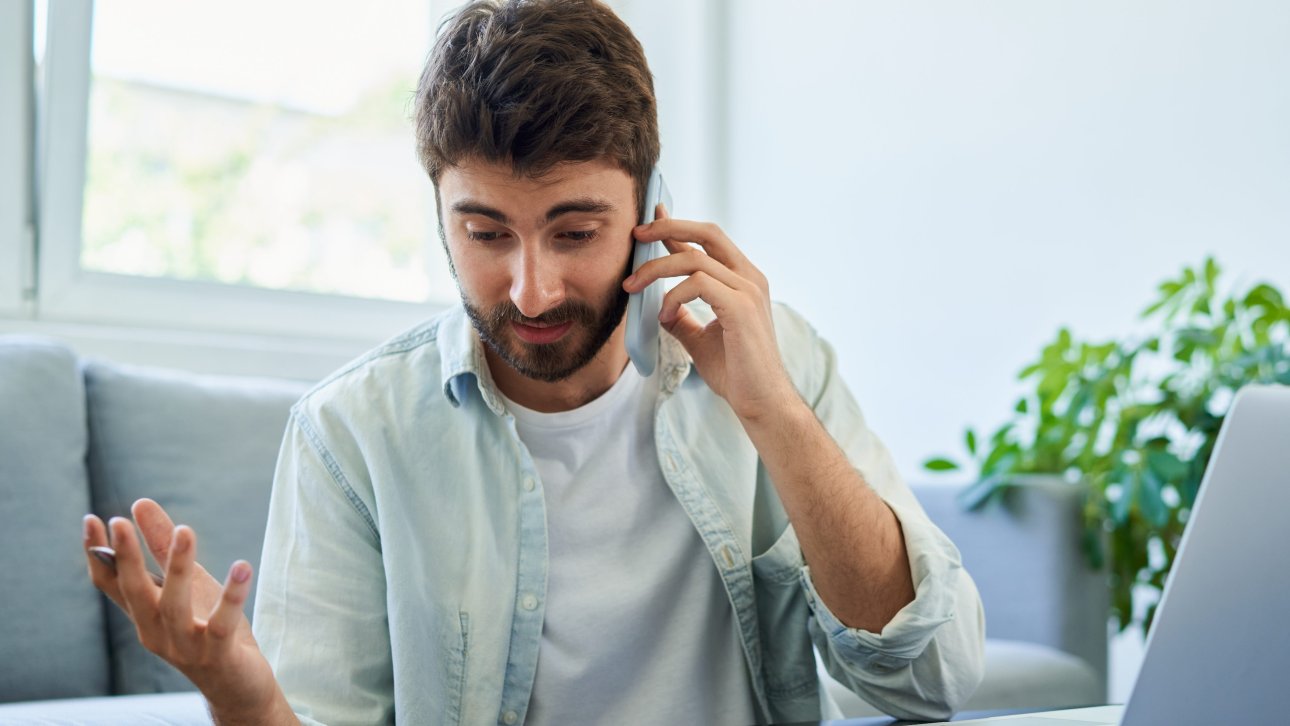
pixel 493 518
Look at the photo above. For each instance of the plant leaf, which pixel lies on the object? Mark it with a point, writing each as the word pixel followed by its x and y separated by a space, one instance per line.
pixel 1166 466
pixel 940 464
pixel 1150 501
pixel 1211 272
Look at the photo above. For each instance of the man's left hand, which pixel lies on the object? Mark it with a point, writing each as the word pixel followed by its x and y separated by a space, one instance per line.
pixel 736 354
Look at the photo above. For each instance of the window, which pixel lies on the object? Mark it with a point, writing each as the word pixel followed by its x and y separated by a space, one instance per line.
pixel 238 166
pixel 218 153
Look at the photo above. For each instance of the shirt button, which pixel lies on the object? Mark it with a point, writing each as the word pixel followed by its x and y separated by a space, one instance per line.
pixel 510 717
pixel 529 602
pixel 529 484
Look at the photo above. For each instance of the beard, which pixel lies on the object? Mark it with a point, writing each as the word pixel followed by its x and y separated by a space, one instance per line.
pixel 550 362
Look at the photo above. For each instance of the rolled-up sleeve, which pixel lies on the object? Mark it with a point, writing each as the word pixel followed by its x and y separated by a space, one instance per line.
pixel 929 658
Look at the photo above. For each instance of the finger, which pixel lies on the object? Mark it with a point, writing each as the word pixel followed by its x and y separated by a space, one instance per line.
pixel 721 297
pixel 683 264
pixel 673 246
pixel 137 589
pixel 157 529
pixel 175 604
pixel 705 234
pixel 102 574
pixel 684 327
pixel 678 234
pixel 228 615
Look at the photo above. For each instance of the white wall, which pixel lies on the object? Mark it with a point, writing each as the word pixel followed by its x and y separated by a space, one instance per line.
pixel 939 186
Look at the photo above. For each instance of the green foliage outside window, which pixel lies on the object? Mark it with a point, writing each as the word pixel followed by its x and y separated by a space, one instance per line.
pixel 1134 421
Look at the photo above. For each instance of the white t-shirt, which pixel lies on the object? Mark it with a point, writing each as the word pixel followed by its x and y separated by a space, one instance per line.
pixel 638 628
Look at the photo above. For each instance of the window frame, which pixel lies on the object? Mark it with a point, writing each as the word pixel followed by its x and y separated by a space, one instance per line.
pixel 16 90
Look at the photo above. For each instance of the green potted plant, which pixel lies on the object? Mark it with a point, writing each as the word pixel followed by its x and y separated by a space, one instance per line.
pixel 1134 421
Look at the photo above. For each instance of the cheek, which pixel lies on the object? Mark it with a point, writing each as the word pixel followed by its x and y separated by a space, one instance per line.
pixel 616 258
pixel 603 270
pixel 479 274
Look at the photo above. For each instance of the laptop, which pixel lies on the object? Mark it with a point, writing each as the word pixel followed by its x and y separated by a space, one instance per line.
pixel 1219 650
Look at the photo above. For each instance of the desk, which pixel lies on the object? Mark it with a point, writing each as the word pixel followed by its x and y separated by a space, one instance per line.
pixel 964 716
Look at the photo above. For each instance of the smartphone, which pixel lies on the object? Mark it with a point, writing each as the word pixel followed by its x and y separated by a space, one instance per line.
pixel 107 556
pixel 643 307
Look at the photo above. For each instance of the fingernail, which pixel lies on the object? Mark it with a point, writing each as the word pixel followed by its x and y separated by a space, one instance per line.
pixel 181 543
pixel 85 526
pixel 630 279
pixel 241 571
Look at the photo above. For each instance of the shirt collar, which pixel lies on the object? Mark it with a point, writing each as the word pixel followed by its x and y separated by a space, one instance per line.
pixel 461 357
pixel 674 362
pixel 463 363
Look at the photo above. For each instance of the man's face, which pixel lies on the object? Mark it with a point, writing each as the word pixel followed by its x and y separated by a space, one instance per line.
pixel 540 262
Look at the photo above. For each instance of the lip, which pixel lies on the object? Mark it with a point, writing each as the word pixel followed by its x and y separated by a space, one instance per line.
pixel 548 334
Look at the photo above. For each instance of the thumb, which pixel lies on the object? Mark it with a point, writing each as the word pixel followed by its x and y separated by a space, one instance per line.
pixel 157 529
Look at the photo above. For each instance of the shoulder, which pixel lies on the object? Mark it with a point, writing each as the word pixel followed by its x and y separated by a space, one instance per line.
pixel 808 358
pixel 401 366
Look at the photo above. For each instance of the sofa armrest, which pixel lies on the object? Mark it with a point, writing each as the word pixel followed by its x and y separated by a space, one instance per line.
pixel 1026 558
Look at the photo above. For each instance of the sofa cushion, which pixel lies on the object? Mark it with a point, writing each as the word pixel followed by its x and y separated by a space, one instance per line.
pixel 168 709
pixel 1025 554
pixel 203 447
pixel 51 635
pixel 1018 676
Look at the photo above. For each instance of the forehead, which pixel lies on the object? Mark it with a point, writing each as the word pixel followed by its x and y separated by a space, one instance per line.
pixel 497 185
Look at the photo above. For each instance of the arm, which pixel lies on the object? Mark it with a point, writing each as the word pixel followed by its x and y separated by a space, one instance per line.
pixel 849 535
pixel 908 633
pixel 928 659
pixel 851 539
pixel 215 651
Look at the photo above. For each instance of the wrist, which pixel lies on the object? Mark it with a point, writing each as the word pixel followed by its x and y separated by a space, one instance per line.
pixel 776 409
pixel 276 711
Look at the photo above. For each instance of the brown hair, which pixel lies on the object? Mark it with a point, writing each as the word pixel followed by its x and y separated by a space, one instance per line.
pixel 535 83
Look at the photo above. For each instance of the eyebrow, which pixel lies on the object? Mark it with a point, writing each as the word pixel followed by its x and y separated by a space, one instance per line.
pixel 585 205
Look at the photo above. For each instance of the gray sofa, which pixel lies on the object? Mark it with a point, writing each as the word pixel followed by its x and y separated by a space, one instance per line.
pixel 81 435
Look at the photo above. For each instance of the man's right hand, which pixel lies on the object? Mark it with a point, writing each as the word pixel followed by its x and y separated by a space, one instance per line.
pixel 192 621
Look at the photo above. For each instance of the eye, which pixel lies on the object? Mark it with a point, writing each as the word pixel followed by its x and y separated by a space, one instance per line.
pixel 475 236
pixel 581 236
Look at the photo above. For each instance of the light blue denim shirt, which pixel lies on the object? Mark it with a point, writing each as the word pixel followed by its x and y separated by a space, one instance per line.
pixel 405 560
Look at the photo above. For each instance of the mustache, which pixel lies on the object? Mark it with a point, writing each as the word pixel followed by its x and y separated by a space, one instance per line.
pixel 569 310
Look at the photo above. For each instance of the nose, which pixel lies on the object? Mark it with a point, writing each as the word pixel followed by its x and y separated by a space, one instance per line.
pixel 537 285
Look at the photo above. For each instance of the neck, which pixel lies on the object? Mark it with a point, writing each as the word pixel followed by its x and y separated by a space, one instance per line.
pixel 585 385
